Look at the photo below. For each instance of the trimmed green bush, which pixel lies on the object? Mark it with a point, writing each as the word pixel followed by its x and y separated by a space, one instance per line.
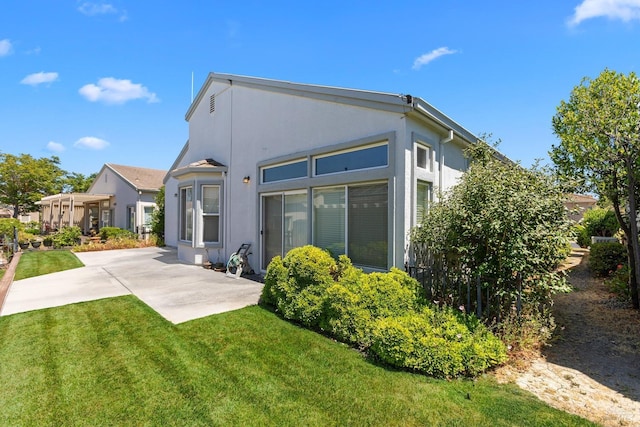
pixel 296 285
pixel 107 233
pixel 583 239
pixel 357 300
pixel 600 222
pixel 66 236
pixel 605 257
pixel 384 314
pixel 436 342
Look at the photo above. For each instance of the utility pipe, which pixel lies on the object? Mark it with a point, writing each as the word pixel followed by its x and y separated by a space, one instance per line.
pixel 441 144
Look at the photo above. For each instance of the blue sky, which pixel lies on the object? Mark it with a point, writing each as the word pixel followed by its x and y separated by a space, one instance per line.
pixel 110 82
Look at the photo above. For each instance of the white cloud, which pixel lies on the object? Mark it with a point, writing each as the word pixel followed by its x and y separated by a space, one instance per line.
pixel 93 9
pixel 91 142
pixel 55 147
pixel 434 54
pixel 5 47
pixel 625 10
pixel 116 91
pixel 39 78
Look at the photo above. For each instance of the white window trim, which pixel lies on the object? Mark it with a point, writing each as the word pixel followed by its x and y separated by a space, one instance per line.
pixel 204 214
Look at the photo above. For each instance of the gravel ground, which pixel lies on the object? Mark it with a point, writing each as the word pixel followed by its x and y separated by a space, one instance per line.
pixel 592 366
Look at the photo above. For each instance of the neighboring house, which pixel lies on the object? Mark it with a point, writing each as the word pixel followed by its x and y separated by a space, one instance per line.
pixel 120 196
pixel 280 165
pixel 578 204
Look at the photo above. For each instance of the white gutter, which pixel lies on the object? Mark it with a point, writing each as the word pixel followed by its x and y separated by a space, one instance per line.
pixel 441 144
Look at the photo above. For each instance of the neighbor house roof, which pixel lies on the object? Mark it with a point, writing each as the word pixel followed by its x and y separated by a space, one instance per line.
pixel 581 198
pixel 139 178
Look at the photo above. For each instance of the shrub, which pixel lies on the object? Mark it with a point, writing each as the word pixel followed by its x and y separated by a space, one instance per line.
pixel 358 300
pixel 600 222
pixel 605 257
pixel 120 243
pixel 7 225
pixel 107 233
pixel 296 285
pixel 618 283
pixel 436 342
pixel 67 236
pixel 582 236
pixel 382 313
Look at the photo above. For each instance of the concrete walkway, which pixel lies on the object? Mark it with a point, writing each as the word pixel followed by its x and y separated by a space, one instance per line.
pixel 179 292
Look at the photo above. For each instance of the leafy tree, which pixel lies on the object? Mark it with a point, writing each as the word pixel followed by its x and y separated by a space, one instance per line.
pixel 500 220
pixel 157 220
pixel 24 180
pixel 78 183
pixel 599 150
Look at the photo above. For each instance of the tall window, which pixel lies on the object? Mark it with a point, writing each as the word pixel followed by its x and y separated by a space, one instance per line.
pixel 186 213
pixel 368 227
pixel 211 213
pixel 148 216
pixel 423 199
pixel 353 220
pixel 329 219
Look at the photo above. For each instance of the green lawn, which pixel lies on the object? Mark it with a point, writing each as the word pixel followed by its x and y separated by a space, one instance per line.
pixel 115 362
pixel 36 263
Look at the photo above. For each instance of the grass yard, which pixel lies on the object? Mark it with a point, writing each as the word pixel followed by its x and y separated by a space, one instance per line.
pixel 115 362
pixel 36 263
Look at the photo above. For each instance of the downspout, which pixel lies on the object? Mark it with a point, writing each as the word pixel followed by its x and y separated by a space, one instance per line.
pixel 441 144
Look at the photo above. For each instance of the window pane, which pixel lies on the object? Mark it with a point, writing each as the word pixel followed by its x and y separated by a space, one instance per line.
pixel 352 160
pixel 272 228
pixel 289 171
pixel 148 215
pixel 186 213
pixel 211 230
pixel 423 197
pixel 210 199
pixel 295 221
pixel 422 158
pixel 329 220
pixel 368 225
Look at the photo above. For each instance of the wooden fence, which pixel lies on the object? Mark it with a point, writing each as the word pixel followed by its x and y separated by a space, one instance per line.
pixel 447 283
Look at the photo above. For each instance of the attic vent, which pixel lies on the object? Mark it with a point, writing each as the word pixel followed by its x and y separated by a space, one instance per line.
pixel 212 104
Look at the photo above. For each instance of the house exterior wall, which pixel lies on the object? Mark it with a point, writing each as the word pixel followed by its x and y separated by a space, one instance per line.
pixel 252 127
pixel 126 197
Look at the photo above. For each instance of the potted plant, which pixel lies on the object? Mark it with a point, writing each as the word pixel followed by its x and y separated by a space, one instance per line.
pixel 36 242
pixel 47 241
pixel 24 239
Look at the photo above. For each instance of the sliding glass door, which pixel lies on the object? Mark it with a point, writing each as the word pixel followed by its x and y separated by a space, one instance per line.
pixel 284 224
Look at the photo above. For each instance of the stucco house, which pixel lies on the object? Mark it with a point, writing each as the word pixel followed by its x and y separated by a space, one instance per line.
pixel 279 165
pixel 578 204
pixel 120 196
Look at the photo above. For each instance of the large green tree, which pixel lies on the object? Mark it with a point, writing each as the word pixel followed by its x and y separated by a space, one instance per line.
pixel 25 179
pixel 78 183
pixel 599 150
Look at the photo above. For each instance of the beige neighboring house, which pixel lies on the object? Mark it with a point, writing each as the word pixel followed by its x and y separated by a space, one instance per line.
pixel 120 196
pixel 578 204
